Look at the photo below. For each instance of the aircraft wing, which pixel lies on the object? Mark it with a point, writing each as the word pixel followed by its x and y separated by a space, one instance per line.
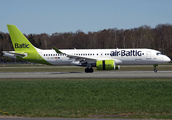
pixel 76 58
pixel 80 58
pixel 90 59
pixel 84 59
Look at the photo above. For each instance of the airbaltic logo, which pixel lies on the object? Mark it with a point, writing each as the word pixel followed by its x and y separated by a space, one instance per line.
pixel 126 53
pixel 22 45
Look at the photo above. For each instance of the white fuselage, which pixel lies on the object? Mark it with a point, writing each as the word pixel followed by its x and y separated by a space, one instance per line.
pixel 121 56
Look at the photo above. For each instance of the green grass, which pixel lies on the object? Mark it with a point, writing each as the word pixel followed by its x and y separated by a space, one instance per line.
pixel 114 98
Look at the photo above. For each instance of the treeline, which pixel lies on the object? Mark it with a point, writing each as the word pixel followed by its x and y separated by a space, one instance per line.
pixel 159 38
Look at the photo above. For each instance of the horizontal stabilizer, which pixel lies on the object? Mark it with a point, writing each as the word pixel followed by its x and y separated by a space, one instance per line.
pixel 13 53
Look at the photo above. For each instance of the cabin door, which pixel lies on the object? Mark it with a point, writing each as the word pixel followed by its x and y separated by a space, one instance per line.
pixel 148 55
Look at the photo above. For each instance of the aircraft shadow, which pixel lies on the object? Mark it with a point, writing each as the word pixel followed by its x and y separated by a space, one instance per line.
pixel 64 72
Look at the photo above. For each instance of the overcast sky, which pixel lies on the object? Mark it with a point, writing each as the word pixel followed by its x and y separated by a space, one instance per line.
pixel 50 16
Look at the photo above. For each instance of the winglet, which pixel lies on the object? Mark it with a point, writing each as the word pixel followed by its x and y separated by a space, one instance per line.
pixel 57 50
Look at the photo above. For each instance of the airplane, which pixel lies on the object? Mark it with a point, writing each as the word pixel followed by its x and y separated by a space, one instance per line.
pixel 102 59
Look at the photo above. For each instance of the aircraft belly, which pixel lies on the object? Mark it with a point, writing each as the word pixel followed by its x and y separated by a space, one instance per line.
pixel 141 62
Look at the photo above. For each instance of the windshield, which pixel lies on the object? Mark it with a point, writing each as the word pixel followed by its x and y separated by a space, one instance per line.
pixel 159 53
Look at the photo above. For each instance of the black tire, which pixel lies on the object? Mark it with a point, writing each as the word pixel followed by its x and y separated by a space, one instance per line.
pixel 155 70
pixel 89 70
pixel 86 70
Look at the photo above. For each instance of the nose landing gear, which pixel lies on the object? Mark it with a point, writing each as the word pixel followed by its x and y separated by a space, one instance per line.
pixel 155 70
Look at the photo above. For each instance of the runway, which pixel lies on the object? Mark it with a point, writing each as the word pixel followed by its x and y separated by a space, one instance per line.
pixel 101 74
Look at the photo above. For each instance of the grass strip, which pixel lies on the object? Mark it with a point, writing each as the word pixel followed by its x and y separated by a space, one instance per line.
pixel 82 98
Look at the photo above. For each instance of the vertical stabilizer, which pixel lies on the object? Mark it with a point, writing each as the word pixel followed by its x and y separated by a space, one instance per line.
pixel 19 41
pixel 24 50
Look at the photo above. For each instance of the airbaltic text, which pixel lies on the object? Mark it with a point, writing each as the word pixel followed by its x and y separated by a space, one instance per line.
pixel 22 45
pixel 126 53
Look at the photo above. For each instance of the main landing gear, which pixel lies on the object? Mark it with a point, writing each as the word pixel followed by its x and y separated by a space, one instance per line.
pixel 155 70
pixel 89 69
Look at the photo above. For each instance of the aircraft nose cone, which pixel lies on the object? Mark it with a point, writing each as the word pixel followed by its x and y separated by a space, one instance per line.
pixel 167 59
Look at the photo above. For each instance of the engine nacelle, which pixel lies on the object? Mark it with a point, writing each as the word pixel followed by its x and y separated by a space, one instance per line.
pixel 107 65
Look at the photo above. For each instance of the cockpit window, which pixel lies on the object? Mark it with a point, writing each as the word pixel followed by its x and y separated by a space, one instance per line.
pixel 159 54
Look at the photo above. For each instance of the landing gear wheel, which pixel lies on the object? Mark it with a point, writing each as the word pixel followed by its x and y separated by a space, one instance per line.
pixel 89 70
pixel 155 70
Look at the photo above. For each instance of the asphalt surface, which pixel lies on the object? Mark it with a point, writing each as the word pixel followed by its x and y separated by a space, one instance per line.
pixel 103 74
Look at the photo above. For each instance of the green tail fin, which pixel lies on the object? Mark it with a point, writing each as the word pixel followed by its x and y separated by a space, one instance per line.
pixel 22 46
pixel 19 41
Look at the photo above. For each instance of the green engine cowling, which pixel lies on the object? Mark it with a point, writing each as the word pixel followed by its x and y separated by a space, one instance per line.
pixel 106 65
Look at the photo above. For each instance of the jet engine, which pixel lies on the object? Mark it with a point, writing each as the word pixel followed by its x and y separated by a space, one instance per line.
pixel 107 65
